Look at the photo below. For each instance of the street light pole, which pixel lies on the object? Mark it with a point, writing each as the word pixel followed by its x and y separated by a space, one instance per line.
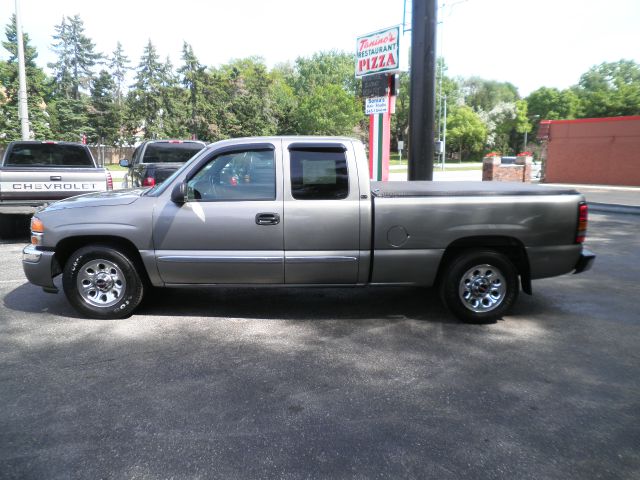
pixel 23 110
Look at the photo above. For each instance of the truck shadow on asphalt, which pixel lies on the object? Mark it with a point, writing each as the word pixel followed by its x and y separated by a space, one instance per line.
pixel 302 304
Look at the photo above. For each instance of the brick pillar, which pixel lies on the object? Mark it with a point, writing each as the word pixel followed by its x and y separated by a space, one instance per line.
pixel 526 171
pixel 489 167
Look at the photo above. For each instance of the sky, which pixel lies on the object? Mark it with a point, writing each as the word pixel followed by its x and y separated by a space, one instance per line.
pixel 530 43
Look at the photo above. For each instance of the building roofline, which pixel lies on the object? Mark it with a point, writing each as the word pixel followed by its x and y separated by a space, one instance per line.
pixel 592 120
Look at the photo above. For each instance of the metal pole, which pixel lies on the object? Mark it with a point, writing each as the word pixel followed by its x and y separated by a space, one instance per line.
pixel 444 134
pixel 423 73
pixel 23 109
pixel 525 141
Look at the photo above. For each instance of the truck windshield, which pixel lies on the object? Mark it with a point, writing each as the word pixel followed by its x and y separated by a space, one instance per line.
pixel 167 152
pixel 49 155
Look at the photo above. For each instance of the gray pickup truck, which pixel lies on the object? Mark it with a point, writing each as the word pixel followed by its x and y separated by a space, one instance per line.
pixel 300 211
pixel 35 173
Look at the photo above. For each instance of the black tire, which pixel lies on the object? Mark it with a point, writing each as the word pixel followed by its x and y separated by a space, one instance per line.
pixel 479 286
pixel 112 286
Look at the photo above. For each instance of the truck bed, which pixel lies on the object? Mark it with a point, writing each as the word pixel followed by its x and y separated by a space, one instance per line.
pixel 463 189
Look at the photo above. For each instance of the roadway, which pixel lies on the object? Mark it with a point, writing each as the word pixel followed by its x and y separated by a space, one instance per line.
pixel 328 383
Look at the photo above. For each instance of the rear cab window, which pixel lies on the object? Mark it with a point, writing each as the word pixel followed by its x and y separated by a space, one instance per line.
pixel 49 155
pixel 318 173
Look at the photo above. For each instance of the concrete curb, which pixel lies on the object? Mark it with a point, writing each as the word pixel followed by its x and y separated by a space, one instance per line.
pixel 613 208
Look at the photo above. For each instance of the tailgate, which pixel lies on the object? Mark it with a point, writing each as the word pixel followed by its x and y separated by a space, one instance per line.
pixel 19 184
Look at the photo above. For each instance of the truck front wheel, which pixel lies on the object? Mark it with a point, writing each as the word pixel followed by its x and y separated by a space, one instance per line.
pixel 479 286
pixel 101 282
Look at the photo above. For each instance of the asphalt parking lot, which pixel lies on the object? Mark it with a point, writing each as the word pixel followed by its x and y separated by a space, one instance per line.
pixel 328 383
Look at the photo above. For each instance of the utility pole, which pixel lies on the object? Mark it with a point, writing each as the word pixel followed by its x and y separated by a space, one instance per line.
pixel 444 134
pixel 423 93
pixel 23 110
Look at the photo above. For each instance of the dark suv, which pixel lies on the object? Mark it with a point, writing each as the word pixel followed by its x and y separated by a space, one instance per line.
pixel 155 160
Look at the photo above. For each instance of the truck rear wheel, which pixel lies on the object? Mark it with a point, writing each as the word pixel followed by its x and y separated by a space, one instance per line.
pixel 102 282
pixel 479 286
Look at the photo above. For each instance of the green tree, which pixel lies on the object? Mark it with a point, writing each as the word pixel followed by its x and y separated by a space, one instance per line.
pixel 248 96
pixel 174 103
pixel 193 79
pixel 553 104
pixel 500 124
pixel 329 110
pixel 485 95
pixel 145 98
pixel 38 93
pixel 400 121
pixel 325 68
pixel 610 90
pixel 104 112
pixel 73 70
pixel 119 66
pixel 70 119
pixel 284 99
pixel 466 132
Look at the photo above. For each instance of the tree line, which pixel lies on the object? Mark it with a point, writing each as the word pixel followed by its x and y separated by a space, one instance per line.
pixel 89 94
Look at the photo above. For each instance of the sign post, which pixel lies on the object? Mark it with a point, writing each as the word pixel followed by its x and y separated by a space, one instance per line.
pixel 378 55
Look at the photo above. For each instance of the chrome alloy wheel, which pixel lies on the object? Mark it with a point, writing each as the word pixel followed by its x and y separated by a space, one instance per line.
pixel 482 288
pixel 101 283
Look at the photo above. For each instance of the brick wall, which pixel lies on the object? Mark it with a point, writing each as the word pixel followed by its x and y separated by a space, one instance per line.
pixel 599 151
pixel 494 171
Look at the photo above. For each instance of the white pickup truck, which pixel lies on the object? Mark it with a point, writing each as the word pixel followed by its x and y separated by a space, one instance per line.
pixel 300 211
pixel 35 173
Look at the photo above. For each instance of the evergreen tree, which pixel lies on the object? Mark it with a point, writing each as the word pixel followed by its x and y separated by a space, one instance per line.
pixel 76 58
pixel 38 93
pixel 193 79
pixel 145 98
pixel 104 111
pixel 119 65
pixel 70 120
pixel 174 104
pixel 248 95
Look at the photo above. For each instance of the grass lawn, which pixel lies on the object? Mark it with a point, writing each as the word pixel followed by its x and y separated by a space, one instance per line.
pixel 394 161
pixel 114 167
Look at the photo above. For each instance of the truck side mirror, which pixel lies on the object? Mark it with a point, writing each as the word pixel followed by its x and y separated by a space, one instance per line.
pixel 179 193
pixel 124 163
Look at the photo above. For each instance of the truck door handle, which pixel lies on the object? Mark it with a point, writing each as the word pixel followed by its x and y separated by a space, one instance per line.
pixel 55 178
pixel 267 219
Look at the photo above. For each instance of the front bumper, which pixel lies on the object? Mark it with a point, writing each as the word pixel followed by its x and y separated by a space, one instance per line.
pixel 39 267
pixel 585 261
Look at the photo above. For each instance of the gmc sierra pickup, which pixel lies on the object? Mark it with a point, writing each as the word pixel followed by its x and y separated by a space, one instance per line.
pixel 301 211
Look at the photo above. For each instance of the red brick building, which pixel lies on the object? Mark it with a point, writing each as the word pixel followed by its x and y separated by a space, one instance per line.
pixel 598 151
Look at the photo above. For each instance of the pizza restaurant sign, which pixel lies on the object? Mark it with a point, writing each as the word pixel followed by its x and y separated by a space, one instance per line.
pixel 378 52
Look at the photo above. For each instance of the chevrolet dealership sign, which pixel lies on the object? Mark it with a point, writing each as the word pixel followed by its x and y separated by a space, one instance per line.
pixel 378 52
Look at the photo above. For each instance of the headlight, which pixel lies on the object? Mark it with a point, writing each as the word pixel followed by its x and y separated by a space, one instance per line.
pixel 37 231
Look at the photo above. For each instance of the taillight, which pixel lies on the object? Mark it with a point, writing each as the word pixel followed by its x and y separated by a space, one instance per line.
pixel 149 182
pixel 175 141
pixel 583 220
pixel 109 181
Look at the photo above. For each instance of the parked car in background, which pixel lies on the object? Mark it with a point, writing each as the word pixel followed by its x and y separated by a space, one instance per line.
pixel 35 173
pixel 155 160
